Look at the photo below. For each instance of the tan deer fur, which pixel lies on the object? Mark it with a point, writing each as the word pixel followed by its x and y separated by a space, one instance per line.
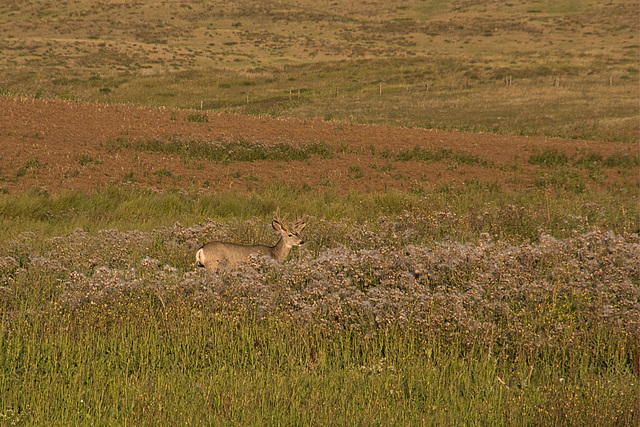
pixel 214 255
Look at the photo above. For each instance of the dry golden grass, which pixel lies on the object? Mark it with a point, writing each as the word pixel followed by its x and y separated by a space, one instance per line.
pixel 439 63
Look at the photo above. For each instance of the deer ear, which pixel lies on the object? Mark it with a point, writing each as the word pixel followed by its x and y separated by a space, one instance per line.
pixel 276 226
pixel 299 227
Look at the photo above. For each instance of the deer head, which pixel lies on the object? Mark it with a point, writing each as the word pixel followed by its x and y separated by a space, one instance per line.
pixel 290 234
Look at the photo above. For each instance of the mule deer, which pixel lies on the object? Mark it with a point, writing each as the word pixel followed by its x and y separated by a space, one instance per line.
pixel 224 254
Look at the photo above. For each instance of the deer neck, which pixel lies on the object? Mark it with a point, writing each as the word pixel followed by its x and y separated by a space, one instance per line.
pixel 280 250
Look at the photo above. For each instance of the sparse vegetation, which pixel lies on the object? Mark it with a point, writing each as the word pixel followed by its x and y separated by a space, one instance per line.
pixel 549 158
pixel 479 67
pixel 356 171
pixel 86 159
pixel 229 151
pixel 164 173
pixel 31 164
pixel 129 177
pixel 197 117
pixel 436 155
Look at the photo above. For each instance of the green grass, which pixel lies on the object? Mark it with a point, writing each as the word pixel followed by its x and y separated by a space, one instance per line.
pixel 144 354
pixel 104 321
pixel 475 207
pixel 197 117
pixel 549 158
pixel 230 151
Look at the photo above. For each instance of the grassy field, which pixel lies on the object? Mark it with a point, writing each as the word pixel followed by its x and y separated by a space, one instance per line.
pixel 454 307
pixel 563 68
pixel 468 303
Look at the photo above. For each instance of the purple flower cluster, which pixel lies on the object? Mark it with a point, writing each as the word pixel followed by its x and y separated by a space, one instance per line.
pixel 531 293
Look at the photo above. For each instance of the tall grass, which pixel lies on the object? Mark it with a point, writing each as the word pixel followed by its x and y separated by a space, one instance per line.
pixel 381 320
pixel 468 210
pixel 141 362
pixel 106 326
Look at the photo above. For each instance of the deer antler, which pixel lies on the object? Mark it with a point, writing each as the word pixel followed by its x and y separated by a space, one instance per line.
pixel 300 223
pixel 300 220
pixel 278 219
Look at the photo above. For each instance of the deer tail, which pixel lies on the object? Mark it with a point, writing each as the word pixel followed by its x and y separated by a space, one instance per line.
pixel 200 258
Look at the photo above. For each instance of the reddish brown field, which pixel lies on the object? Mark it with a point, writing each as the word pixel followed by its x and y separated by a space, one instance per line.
pixel 46 139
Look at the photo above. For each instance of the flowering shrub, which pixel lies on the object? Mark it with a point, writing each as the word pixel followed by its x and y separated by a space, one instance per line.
pixel 530 294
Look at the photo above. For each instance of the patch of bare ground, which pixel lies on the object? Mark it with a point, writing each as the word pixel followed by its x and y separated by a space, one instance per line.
pixel 55 145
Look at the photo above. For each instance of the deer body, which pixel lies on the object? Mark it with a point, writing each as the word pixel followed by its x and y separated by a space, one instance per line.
pixel 224 254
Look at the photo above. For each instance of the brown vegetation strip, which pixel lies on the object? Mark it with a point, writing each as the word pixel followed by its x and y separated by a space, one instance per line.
pixel 46 138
